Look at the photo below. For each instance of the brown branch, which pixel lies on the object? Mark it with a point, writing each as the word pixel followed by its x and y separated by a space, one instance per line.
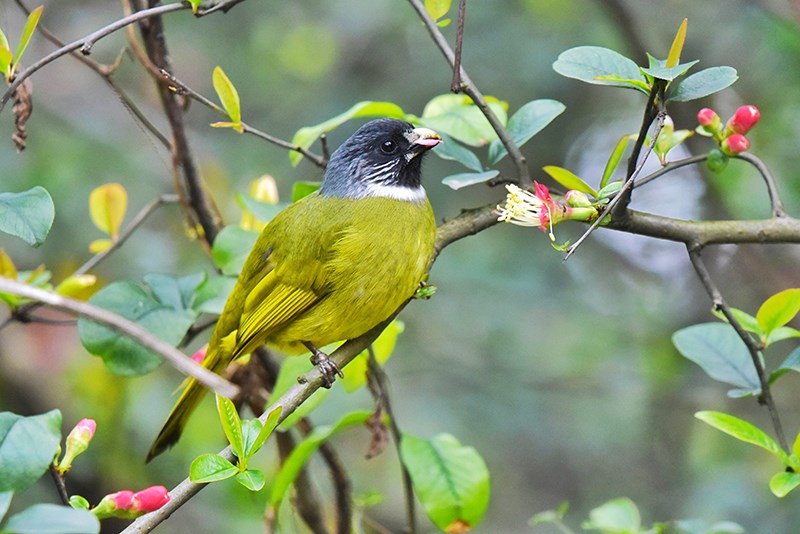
pixel 378 386
pixel 772 189
pixel 128 328
pixel 471 90
pixel 183 89
pixel 765 397
pixel 85 44
pixel 455 85
pixel 200 204
pixel 307 501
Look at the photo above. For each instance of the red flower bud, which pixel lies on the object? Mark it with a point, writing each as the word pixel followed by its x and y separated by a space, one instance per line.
pixel 734 144
pixel 744 119
pixel 200 355
pixel 150 499
pixel 77 443
pixel 707 117
pixel 122 500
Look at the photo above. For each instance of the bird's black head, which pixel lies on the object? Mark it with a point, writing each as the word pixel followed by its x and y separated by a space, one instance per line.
pixel 383 158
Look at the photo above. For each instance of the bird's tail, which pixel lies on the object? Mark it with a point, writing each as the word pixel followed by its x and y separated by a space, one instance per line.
pixel 172 429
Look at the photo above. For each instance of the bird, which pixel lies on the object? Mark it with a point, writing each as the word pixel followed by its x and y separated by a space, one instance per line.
pixel 332 265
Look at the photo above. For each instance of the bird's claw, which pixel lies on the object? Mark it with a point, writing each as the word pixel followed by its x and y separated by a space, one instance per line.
pixel 327 367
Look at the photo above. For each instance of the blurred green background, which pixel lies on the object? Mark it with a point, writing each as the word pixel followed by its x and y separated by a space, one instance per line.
pixel 562 375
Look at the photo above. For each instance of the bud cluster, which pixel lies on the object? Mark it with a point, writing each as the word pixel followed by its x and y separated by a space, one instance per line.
pixel 731 135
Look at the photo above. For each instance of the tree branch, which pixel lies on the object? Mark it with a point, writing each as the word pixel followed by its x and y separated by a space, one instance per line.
pixel 85 44
pixel 471 90
pixel 128 328
pixel 765 397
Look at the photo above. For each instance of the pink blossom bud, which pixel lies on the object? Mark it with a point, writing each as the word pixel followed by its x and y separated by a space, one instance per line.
pixel 707 117
pixel 744 119
pixel 150 499
pixel 734 144
pixel 122 500
pixel 200 355
pixel 77 443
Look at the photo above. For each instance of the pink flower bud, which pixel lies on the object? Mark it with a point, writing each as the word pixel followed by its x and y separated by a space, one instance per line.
pixel 707 117
pixel 200 355
pixel 734 144
pixel 77 443
pixel 122 500
pixel 744 119
pixel 150 499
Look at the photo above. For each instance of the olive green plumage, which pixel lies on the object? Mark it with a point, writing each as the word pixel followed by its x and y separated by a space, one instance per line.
pixel 332 265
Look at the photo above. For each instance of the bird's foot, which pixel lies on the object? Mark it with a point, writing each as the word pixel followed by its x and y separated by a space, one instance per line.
pixel 327 367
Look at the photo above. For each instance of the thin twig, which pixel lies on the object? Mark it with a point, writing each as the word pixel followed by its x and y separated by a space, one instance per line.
pixel 85 44
pixel 378 386
pixel 130 329
pixel 201 207
pixel 61 487
pixel 106 73
pixel 471 90
pixel 306 499
pixel 772 189
pixel 455 86
pixel 184 89
pixel 618 205
pixel 669 167
pixel 765 397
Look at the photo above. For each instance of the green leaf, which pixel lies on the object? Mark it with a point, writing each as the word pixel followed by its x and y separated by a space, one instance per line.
pixel 455 151
pixel 211 468
pixel 550 516
pixel 778 310
pixel 27 33
pixel 265 211
pixel 529 120
pixel 451 480
pixel 27 447
pixel 464 179
pixel 639 85
pixel 383 346
pixel 306 136
pixel 231 248
pixel 617 516
pixel 212 294
pixel 791 363
pixel 291 368
pixel 255 434
pixel 178 293
pixel 721 353
pixel 457 116
pixel 610 189
pixel 52 519
pixel 747 321
pixel 744 431
pixel 782 483
pixel 5 60
pixel 252 479
pixel 781 333
pixel 227 94
pixel 27 215
pixel 303 189
pixel 615 158
pixel 569 180
pixel 79 502
pixel 5 502
pixel 231 425
pixel 303 451
pixel 437 8
pixel 674 56
pixel 121 354
pixel 703 83
pixel 669 73
pixel 590 63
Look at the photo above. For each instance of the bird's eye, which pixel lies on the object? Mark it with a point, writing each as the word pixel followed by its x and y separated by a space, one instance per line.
pixel 388 147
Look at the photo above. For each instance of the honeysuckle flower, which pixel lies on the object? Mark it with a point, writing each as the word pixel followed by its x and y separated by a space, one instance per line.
pixel 743 120
pixel 734 144
pixel 539 209
pixel 77 443
pixel 129 505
